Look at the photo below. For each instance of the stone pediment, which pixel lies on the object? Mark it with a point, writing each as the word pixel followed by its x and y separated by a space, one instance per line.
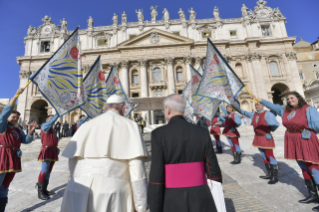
pixel 155 37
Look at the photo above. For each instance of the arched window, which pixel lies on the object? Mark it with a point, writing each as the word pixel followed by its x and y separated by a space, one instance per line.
pixel 239 70
pixel 179 74
pixel 274 68
pixel 135 77
pixel 157 74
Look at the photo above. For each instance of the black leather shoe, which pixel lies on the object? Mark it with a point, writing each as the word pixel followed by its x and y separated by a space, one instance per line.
pixel 274 174
pixel 316 208
pixel 313 196
pixel 3 203
pixel 41 191
pixel 268 175
pixel 48 193
pixel 219 149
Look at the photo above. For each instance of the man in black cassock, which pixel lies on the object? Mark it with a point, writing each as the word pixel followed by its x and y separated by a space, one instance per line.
pixel 182 158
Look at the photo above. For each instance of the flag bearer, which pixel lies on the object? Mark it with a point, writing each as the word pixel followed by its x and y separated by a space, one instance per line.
pixel 48 155
pixel 11 138
pixel 264 122
pixel 215 131
pixel 232 121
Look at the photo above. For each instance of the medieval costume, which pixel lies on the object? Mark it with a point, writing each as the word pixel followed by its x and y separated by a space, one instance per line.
pixel 232 121
pixel 215 131
pixel 302 143
pixel 48 155
pixel 106 162
pixel 182 153
pixel 11 138
pixel 264 122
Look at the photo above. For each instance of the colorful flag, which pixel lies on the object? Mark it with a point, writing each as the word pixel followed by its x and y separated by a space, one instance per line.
pixel 187 94
pixel 200 70
pixel 114 86
pixel 95 88
pixel 219 81
pixel 60 79
pixel 202 106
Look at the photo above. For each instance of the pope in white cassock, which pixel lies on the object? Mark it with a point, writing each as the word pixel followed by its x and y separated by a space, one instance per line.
pixel 106 162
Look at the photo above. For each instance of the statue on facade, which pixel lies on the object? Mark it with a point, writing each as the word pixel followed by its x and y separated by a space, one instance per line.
pixel 90 22
pixel 154 13
pixel 115 19
pixel 166 14
pixel 192 14
pixel 181 14
pixel 47 20
pixel 216 12
pixel 140 15
pixel 64 24
pixel 244 10
pixel 277 13
pixel 124 18
pixel 261 4
pixel 32 30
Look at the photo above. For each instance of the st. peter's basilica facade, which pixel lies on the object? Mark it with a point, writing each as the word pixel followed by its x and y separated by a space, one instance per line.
pixel 153 57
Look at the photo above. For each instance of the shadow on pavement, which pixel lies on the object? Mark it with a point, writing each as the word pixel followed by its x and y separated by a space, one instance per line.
pixel 230 207
pixel 53 198
pixel 286 174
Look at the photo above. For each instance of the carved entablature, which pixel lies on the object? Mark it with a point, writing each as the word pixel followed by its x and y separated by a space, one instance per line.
pixel 228 58
pixel 86 68
pixel 24 74
pixel 291 55
pixel 253 56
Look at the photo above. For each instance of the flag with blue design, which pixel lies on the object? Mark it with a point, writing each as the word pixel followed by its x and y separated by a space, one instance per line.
pixel 202 106
pixel 114 86
pixel 60 79
pixel 95 89
pixel 219 81
pixel 187 94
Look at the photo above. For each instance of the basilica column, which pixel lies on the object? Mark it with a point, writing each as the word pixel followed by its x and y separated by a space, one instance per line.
pixel 188 60
pixel 144 86
pixel 125 77
pixel 22 100
pixel 291 57
pixel 258 75
pixel 170 74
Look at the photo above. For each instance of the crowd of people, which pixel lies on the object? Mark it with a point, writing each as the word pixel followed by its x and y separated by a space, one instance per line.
pixel 107 154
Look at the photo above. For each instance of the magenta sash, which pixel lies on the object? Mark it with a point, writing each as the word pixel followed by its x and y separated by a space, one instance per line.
pixel 185 175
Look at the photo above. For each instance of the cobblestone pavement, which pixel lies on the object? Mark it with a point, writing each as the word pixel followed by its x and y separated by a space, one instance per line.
pixel 243 189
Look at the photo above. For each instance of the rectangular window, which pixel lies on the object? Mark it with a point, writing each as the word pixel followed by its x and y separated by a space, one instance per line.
pixel 135 79
pixel 132 36
pixel 233 34
pixel 102 42
pixel 45 46
pixel 135 95
pixel 206 34
pixel 317 45
pixel 317 75
pixel 180 91
pixel 179 76
pixel 301 76
pixel 265 30
pixel 311 56
pixel 176 33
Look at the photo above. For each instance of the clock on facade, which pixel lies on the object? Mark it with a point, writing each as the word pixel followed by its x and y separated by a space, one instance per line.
pixel 46 30
pixel 263 13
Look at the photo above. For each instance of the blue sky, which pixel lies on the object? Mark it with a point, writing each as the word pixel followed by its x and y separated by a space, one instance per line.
pixel 17 15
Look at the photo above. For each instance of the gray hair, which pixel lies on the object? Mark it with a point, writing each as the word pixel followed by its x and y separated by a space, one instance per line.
pixel 115 106
pixel 175 102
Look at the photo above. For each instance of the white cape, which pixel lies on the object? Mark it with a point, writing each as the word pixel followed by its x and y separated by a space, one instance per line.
pixel 108 135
